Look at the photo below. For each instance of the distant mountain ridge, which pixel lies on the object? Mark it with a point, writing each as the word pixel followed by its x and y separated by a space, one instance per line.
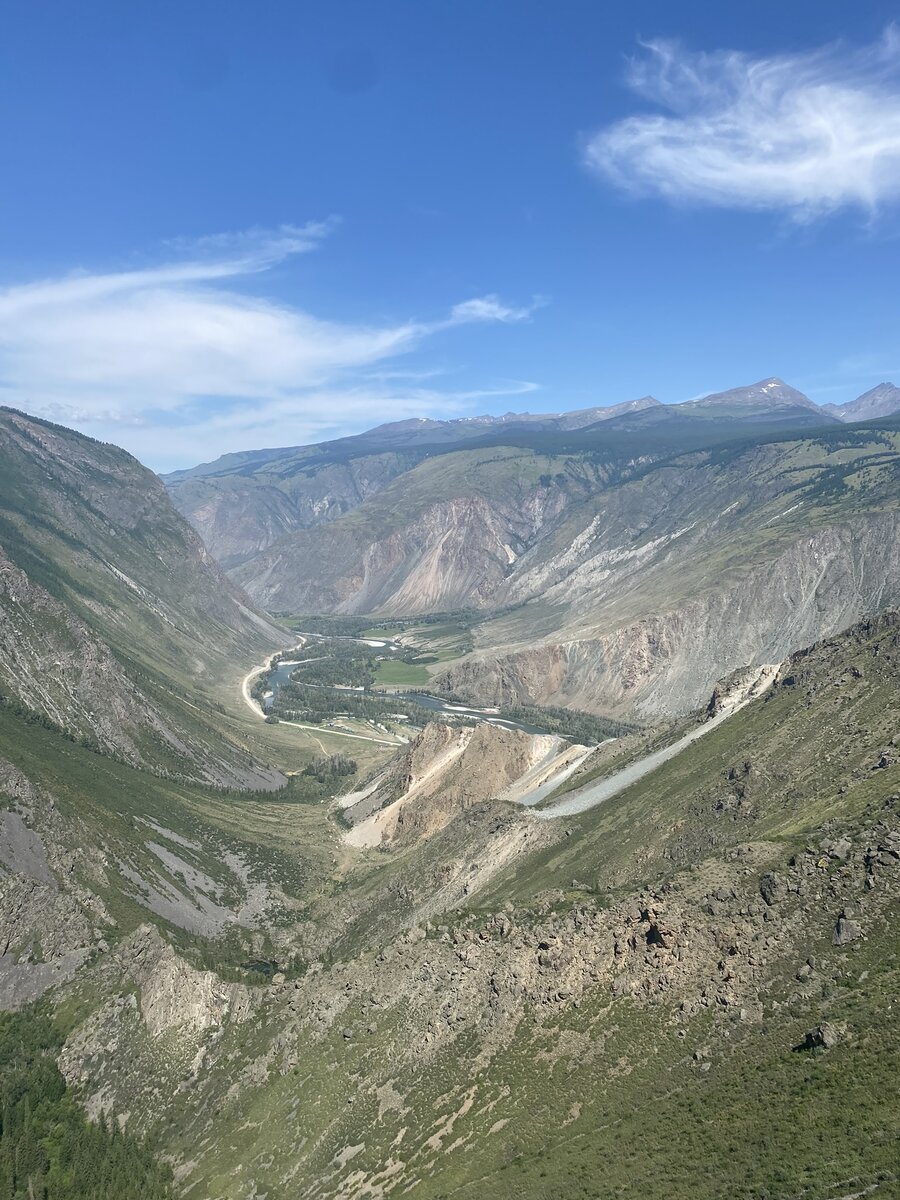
pixel 461 426
pixel 767 395
pixel 413 431
pixel 883 400
pixel 244 503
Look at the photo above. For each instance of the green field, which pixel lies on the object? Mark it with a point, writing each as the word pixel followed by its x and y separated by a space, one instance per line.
pixel 376 632
pixel 401 672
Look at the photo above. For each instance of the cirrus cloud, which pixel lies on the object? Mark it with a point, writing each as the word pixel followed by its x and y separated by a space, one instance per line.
pixel 490 308
pixel 806 133
pixel 176 362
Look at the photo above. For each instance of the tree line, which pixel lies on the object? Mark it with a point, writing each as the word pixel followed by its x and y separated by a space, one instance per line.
pixel 48 1148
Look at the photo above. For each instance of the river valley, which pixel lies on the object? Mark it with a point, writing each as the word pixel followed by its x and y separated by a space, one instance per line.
pixel 395 725
pixel 282 673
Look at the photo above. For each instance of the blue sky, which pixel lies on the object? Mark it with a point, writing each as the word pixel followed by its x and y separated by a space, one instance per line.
pixel 228 225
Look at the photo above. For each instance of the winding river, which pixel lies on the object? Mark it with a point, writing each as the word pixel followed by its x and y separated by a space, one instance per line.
pixel 282 675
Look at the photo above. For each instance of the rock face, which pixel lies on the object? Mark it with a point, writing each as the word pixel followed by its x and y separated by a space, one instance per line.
pixel 97 529
pixel 452 551
pixel 667 663
pixel 173 995
pixel 239 515
pixel 443 772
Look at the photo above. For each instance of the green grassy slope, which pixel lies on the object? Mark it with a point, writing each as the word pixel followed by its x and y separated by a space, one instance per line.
pixel 118 626
pixel 804 754
pixel 638 1118
pixel 235 868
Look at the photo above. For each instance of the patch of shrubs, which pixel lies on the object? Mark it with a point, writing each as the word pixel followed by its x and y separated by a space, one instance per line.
pixel 328 768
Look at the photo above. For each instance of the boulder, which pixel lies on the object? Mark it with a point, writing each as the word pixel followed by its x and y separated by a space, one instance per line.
pixel 823 1037
pixel 772 888
pixel 846 930
pixel 840 849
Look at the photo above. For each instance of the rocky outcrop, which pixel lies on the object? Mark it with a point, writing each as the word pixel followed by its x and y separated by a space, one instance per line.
pixel 690 945
pixel 174 996
pixel 152 1032
pixel 45 936
pixel 824 1037
pixel 444 771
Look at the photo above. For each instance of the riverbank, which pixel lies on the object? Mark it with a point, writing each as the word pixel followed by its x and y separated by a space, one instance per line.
pixel 255 673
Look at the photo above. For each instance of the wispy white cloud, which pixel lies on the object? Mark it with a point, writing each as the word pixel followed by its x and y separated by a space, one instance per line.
pixel 490 308
pixel 172 353
pixel 259 245
pixel 807 133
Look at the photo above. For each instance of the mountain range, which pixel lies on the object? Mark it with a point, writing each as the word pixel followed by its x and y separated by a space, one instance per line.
pixel 113 609
pixel 243 503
